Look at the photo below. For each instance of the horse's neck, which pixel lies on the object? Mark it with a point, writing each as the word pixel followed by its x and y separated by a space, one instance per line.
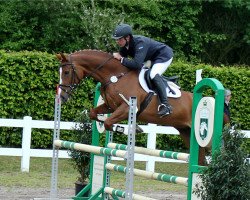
pixel 112 68
pixel 115 67
pixel 101 67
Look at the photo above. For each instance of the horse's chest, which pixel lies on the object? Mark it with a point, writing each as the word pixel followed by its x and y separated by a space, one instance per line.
pixel 112 98
pixel 118 93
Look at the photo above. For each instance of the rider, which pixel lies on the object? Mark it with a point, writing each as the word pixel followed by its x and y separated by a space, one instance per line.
pixel 227 104
pixel 141 49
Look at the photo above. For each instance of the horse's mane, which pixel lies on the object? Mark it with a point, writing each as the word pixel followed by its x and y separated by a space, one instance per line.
pixel 98 53
pixel 92 51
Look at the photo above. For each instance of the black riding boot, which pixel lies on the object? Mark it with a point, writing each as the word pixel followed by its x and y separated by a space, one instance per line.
pixel 164 108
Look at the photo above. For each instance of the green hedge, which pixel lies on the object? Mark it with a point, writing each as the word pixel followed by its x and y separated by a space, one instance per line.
pixel 237 79
pixel 28 81
pixel 28 84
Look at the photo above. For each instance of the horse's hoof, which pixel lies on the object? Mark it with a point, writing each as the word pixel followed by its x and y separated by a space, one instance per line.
pixel 138 129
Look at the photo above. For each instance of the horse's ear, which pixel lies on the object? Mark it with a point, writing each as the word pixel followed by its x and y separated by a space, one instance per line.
pixel 61 57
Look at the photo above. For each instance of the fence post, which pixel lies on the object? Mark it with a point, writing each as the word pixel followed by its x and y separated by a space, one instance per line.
pixel 26 140
pixel 198 75
pixel 151 144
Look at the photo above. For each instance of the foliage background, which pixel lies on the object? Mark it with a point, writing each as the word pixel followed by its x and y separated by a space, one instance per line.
pixel 188 26
pixel 228 175
pixel 28 81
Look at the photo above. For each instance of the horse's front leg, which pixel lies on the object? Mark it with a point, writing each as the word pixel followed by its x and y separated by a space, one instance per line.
pixel 121 113
pixel 101 109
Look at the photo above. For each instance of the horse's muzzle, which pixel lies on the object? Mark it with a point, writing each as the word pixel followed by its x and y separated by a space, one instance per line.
pixel 64 97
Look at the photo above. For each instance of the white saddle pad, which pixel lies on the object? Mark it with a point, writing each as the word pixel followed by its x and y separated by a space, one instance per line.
pixel 172 85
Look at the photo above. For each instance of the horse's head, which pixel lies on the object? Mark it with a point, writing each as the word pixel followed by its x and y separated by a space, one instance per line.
pixel 70 76
pixel 93 63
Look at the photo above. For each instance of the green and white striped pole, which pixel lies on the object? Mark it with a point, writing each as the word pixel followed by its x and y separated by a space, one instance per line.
pixel 150 175
pixel 120 193
pixel 91 149
pixel 153 152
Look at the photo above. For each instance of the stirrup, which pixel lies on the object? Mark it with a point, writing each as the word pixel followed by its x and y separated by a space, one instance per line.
pixel 164 109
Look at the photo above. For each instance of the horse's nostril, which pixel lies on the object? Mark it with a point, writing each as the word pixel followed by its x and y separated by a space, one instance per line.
pixel 64 98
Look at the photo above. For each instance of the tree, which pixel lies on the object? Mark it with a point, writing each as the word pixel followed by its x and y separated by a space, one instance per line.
pixel 55 26
pixel 228 175
pixel 195 34
pixel 226 32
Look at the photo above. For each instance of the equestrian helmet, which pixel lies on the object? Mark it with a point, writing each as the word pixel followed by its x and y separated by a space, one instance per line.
pixel 122 30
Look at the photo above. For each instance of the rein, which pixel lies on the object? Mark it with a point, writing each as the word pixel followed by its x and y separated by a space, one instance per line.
pixel 99 67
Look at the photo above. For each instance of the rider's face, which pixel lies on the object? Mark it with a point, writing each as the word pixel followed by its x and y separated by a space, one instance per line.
pixel 122 41
pixel 228 98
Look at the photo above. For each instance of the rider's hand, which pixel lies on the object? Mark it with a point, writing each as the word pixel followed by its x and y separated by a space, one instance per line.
pixel 117 56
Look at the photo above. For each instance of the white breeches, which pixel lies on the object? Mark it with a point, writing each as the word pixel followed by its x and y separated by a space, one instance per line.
pixel 159 68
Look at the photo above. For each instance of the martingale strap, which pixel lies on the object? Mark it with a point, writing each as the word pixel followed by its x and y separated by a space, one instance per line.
pixel 145 103
pixel 117 78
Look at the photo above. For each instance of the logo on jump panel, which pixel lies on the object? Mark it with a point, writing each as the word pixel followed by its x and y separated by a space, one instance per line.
pixel 204 115
pixel 204 121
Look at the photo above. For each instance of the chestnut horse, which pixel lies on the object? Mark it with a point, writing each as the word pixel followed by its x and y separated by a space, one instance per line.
pixel 102 66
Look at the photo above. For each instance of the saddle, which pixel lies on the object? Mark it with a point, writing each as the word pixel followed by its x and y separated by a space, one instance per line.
pixel 173 79
pixel 171 83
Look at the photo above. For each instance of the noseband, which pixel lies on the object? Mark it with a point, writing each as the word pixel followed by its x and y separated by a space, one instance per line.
pixel 73 85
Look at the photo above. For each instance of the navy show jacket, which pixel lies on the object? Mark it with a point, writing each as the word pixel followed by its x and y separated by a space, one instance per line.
pixel 141 49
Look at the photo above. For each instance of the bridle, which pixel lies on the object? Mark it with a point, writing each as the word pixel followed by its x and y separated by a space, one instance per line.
pixel 74 76
pixel 72 86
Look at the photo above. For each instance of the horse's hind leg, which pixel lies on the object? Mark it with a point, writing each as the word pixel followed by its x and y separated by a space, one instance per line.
pixel 202 156
pixel 185 135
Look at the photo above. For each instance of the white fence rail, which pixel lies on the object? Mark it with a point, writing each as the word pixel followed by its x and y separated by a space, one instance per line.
pixel 28 124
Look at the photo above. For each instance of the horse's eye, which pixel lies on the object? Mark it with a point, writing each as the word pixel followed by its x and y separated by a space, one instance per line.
pixel 66 72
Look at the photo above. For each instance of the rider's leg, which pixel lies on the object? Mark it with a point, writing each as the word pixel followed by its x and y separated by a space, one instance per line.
pixel 164 108
pixel 155 74
pixel 159 68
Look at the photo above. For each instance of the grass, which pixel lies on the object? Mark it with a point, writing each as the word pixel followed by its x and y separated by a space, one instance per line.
pixel 40 174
